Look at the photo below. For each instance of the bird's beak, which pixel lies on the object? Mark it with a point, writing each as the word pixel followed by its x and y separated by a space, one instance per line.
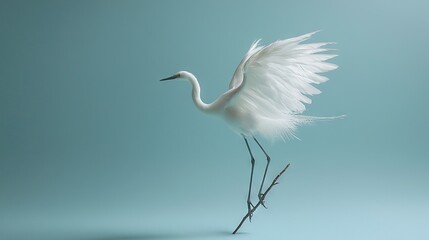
pixel 171 78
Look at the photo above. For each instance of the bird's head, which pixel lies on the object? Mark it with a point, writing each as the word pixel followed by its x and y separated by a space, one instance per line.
pixel 180 75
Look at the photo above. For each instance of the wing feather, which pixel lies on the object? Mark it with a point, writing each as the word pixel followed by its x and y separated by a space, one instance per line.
pixel 277 80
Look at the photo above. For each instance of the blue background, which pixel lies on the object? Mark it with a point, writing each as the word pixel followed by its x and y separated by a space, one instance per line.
pixel 93 146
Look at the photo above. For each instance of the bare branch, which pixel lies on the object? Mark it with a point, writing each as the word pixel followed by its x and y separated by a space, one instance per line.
pixel 261 200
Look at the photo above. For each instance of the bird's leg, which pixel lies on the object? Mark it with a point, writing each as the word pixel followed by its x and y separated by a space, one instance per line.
pixel 260 194
pixel 252 161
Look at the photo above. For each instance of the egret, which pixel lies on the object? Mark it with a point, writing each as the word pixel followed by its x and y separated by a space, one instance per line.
pixel 267 93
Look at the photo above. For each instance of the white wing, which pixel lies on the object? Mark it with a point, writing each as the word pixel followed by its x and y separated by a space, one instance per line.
pixel 277 80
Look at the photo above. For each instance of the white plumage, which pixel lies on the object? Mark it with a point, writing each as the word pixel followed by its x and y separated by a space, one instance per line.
pixel 276 81
pixel 270 86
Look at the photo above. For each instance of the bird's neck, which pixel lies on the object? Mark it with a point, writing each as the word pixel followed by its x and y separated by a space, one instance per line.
pixel 196 95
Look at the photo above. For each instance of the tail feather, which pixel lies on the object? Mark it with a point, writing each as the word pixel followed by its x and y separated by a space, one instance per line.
pixel 285 128
pixel 310 119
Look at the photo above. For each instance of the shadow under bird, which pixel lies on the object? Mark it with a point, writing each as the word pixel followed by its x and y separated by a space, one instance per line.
pixel 268 93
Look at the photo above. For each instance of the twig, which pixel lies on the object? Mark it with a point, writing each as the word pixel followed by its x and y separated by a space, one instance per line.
pixel 261 199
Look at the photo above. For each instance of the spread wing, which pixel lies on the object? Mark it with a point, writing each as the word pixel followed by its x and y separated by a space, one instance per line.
pixel 277 80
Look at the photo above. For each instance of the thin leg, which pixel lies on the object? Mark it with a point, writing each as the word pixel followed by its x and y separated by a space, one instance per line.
pixel 252 161
pixel 260 194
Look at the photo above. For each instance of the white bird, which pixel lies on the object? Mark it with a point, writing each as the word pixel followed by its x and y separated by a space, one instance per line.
pixel 268 91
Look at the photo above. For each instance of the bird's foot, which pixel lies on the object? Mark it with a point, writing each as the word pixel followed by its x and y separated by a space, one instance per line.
pixel 250 206
pixel 261 197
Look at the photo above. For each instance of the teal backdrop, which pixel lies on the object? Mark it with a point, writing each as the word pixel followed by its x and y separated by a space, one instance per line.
pixel 94 147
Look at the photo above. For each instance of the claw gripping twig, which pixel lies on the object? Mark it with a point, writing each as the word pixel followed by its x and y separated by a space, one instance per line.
pixel 249 213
